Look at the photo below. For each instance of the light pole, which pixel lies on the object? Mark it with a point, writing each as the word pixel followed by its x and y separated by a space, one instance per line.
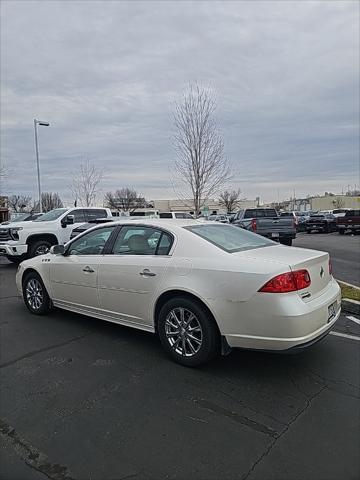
pixel 43 124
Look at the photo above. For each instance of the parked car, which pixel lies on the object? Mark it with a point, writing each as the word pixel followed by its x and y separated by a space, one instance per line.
pixel 349 223
pixel 218 218
pixel 177 215
pixel 202 287
pixel 266 222
pixel 28 239
pixel 85 226
pixel 321 222
pixel 24 217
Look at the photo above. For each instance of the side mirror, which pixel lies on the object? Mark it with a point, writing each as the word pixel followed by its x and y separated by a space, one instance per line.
pixel 57 250
pixel 68 220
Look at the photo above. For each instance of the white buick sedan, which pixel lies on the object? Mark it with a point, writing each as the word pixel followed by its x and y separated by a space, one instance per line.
pixel 202 287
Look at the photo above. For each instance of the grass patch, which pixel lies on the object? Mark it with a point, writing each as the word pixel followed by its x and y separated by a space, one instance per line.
pixel 350 292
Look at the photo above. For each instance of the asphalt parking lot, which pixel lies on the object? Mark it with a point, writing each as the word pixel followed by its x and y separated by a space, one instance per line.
pixel 344 252
pixel 85 399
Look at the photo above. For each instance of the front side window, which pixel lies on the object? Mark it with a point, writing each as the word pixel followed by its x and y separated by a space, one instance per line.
pixel 229 238
pixel 165 215
pixel 139 240
pixel 92 243
pixel 79 216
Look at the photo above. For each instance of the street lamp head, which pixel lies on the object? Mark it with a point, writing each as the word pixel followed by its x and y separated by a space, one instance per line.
pixel 44 124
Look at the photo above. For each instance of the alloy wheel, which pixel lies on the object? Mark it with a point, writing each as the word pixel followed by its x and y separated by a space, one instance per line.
pixel 34 294
pixel 183 332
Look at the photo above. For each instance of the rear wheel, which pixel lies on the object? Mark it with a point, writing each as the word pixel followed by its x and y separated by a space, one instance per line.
pixel 286 241
pixel 35 295
pixel 187 332
pixel 341 231
pixel 308 231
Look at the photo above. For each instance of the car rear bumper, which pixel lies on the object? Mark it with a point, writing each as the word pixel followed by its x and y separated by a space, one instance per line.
pixel 12 250
pixel 283 323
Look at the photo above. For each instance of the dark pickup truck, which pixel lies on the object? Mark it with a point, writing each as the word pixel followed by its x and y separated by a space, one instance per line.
pixel 266 222
pixel 321 222
pixel 350 222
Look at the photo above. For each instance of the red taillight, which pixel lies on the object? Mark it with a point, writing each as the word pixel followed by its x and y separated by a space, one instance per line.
pixel 330 267
pixel 253 225
pixel 287 282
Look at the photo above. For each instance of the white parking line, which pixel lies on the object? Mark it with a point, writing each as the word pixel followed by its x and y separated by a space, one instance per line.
pixel 345 335
pixel 354 319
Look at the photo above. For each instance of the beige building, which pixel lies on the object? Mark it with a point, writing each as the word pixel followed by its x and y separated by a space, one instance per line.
pixel 187 206
pixel 329 202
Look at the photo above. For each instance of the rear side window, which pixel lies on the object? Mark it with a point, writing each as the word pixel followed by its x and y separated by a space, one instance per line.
pixel 165 215
pixel 141 240
pixel 352 213
pixel 94 213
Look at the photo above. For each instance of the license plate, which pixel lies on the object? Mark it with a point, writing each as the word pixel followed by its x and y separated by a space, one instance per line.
pixel 275 235
pixel 332 309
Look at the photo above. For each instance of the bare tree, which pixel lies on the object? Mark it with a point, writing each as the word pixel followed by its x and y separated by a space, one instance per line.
pixel 201 163
pixel 49 201
pixel 20 203
pixel 85 184
pixel 230 199
pixel 125 199
pixel 338 203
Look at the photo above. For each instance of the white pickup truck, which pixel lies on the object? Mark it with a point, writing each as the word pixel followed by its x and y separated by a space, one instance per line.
pixel 20 240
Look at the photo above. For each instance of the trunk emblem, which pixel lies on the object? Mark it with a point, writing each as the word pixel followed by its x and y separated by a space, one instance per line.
pixel 321 272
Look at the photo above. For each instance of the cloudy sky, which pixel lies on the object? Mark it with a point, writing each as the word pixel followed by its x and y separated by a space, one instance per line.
pixel 105 74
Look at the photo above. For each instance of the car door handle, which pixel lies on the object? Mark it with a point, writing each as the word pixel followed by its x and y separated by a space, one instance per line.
pixel 88 269
pixel 146 273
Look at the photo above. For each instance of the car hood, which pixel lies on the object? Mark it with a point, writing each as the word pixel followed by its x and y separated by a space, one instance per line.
pixel 29 225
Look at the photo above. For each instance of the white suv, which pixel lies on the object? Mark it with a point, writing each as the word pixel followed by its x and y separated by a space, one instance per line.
pixel 22 240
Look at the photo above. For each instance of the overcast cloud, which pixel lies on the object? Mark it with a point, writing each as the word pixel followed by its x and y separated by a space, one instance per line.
pixel 105 75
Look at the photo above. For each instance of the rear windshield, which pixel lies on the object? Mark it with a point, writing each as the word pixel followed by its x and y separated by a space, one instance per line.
pixel 260 212
pixel 230 238
pixel 353 213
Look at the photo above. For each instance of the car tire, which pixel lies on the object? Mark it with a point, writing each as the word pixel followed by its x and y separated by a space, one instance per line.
pixel 308 231
pixel 15 259
pixel 35 295
pixel 341 232
pixel 39 247
pixel 286 241
pixel 197 340
pixel 326 229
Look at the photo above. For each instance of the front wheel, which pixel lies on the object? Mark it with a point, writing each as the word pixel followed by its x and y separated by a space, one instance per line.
pixel 188 332
pixel 35 295
pixel 341 231
pixel 39 248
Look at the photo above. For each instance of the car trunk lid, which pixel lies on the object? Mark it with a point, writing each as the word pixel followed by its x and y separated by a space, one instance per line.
pixel 292 258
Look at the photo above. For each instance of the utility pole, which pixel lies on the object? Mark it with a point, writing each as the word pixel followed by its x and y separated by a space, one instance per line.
pixel 44 124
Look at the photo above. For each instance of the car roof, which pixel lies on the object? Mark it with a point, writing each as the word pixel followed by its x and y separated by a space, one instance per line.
pixel 160 222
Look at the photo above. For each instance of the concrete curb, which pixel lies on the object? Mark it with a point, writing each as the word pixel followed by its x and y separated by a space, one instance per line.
pixel 350 306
